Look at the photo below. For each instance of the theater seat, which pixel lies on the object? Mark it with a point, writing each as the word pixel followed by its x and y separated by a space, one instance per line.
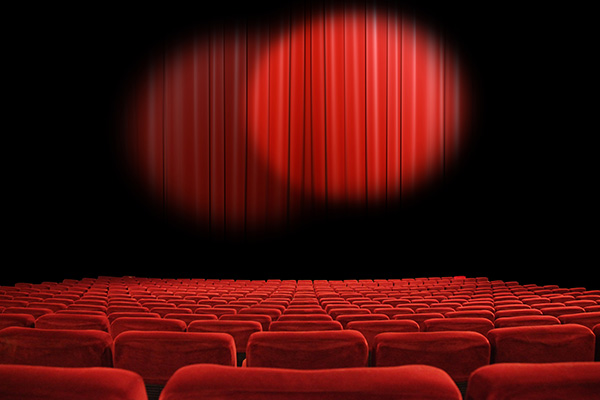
pixel 124 324
pixel 157 355
pixel 73 321
pixel 21 382
pixel 213 382
pixel 55 348
pixel 526 320
pixel 307 350
pixel 23 320
pixel 531 381
pixel 457 353
pixel 542 344
pixel 479 325
pixel 589 319
pixel 308 325
pixel 370 329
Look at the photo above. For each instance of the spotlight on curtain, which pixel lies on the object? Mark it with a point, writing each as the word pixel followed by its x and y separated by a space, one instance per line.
pixel 250 126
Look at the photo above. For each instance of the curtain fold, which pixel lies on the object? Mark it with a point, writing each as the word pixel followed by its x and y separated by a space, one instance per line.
pixel 251 126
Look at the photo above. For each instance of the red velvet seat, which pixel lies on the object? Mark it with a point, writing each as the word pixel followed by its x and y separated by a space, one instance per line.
pixel 305 317
pixel 55 348
pixel 526 320
pixel 187 318
pixel 124 324
pixel 157 355
pixel 239 330
pixel 347 318
pixel 73 321
pixel 307 350
pixel 419 318
pixel 531 381
pixel 35 311
pixel 21 382
pixel 23 320
pixel 370 329
pixel 115 315
pixel 457 353
pixel 305 325
pixel 213 382
pixel 542 344
pixel 479 325
pixel 589 319
pixel 596 330
pixel 263 319
pixel 517 313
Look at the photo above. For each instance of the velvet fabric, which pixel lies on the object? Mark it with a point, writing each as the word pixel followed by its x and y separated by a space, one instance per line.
pixel 23 320
pixel 263 319
pixel 475 324
pixel 305 317
pixel 35 311
pixel 457 353
pixel 531 381
pixel 157 355
pixel 526 320
pixel 55 347
pixel 306 326
pixel 419 318
pixel 346 318
pixel 589 319
pixel 239 330
pixel 370 329
pixel 542 344
pixel 124 324
pixel 213 382
pixel 73 321
pixel 20 382
pixel 307 350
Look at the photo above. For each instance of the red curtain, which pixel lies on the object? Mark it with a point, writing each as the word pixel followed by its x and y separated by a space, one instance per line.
pixel 247 126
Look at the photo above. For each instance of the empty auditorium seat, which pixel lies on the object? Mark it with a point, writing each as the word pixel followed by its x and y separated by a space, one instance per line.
pixel 419 318
pixel 115 315
pixel 73 321
pixel 589 319
pixel 274 313
pixel 239 330
pixel 517 313
pixel 370 329
pixel 344 319
pixel 187 318
pixel 480 325
pixel 310 325
pixel 24 320
pixel 213 382
pixel 471 314
pixel 307 350
pixel 157 355
pixel 305 317
pixel 263 319
pixel 24 382
pixel 123 324
pixel 55 348
pixel 457 353
pixel 558 311
pixel 526 320
pixel 35 311
pixel 531 381
pixel 542 344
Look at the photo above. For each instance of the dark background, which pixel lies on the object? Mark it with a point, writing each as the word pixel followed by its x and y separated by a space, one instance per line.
pixel 521 207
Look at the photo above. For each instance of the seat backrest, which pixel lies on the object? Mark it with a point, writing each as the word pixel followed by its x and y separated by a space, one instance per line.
pixel 346 318
pixel 370 329
pixel 459 353
pixel 124 324
pixel 305 317
pixel 526 320
pixel 56 383
pixel 213 382
pixel 73 321
pixel 306 326
pixel 475 324
pixel 307 350
pixel 533 381
pixel 157 355
pixel 23 320
pixel 541 344
pixel 55 347
pixel 589 319
pixel 263 319
pixel 239 330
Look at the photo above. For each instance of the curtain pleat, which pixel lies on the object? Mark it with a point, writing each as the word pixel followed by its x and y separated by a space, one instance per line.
pixel 249 127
